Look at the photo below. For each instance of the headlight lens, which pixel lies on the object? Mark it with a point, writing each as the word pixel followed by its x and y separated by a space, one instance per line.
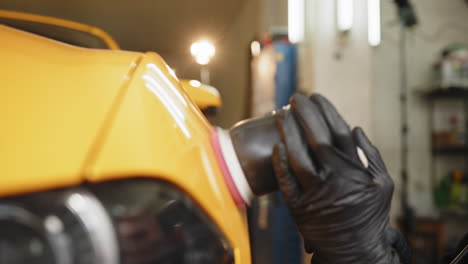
pixel 22 240
pixel 64 227
pixel 128 222
pixel 157 223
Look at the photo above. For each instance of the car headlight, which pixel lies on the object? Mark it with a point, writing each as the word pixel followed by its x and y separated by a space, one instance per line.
pixel 64 227
pixel 127 221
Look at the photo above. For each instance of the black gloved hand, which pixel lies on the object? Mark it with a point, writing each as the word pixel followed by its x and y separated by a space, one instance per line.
pixel 340 206
pixel 400 244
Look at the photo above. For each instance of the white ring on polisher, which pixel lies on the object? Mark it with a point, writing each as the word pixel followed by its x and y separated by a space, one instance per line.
pixel 233 164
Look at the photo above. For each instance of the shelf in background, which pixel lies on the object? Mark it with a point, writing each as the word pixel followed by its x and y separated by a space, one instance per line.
pixel 450 150
pixel 446 93
pixel 453 212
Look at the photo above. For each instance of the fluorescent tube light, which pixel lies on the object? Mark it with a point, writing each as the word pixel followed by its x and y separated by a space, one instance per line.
pixel 345 14
pixel 296 20
pixel 373 22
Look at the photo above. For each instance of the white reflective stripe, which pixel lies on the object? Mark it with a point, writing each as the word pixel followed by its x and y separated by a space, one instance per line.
pixel 233 164
pixel 168 95
pixel 92 214
pixel 362 157
pixel 168 83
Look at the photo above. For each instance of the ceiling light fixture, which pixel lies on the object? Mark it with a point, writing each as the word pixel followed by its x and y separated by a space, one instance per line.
pixel 373 22
pixel 345 15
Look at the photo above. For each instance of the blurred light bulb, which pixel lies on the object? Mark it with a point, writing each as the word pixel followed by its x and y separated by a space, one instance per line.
pixel 202 60
pixel 255 48
pixel 203 51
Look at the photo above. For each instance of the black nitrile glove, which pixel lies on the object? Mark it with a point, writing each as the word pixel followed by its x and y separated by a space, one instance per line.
pixel 400 244
pixel 340 205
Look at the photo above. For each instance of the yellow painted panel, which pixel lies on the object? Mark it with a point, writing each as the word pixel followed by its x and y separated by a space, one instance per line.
pixel 71 115
pixel 203 95
pixel 54 98
pixel 148 140
pixel 97 32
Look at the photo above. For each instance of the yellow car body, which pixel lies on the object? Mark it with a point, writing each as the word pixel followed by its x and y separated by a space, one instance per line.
pixel 73 115
pixel 205 96
pixel 105 37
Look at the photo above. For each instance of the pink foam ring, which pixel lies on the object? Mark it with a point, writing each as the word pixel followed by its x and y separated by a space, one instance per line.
pixel 224 169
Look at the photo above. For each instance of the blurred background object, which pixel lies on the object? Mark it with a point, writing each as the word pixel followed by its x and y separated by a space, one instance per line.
pixel 274 236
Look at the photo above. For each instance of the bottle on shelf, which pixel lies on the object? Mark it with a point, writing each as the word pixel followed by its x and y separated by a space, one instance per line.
pixel 452 191
pixel 464 192
pixel 455 189
pixel 442 193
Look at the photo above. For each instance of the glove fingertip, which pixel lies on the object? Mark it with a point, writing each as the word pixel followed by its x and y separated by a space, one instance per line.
pixel 322 101
pixel 333 117
pixel 363 141
pixel 372 154
pixel 311 119
pixel 359 134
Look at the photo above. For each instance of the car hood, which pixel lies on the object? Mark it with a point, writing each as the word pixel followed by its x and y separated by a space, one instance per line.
pixel 54 98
